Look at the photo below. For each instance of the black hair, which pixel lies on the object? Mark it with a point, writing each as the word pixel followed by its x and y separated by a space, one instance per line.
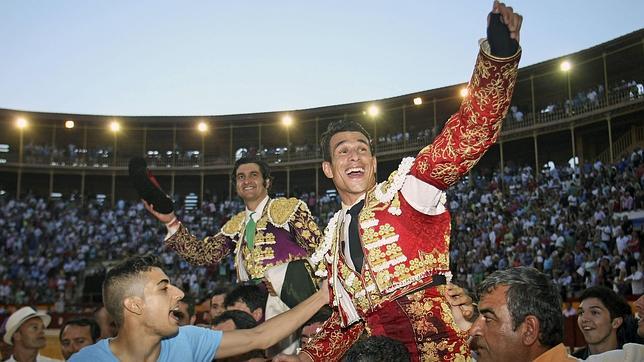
pixel 377 349
pixel 94 329
pixel 264 168
pixel 252 295
pixel 530 292
pixel 616 304
pixel 337 127
pixel 118 280
pixel 241 319
pixel 617 307
pixel 217 291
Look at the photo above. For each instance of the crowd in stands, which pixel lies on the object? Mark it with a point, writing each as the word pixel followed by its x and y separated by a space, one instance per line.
pixel 582 101
pixel 565 224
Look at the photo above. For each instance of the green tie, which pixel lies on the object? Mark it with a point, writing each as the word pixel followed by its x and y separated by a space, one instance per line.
pixel 250 231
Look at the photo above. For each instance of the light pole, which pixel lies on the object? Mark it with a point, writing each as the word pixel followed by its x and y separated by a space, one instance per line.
pixel 287 121
pixel 21 123
pixel 202 127
pixel 565 67
pixel 115 127
pixel 373 111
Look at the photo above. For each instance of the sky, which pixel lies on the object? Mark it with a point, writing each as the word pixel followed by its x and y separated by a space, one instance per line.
pixel 142 57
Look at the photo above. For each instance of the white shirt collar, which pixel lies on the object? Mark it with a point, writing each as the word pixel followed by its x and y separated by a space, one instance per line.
pixel 347 207
pixel 258 211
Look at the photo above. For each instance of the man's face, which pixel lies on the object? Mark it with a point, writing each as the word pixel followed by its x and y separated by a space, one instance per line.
pixel 183 314
pixel 639 308
pixel 250 183
pixel 31 334
pixel 352 166
pixel 217 305
pixel 492 336
pixel 74 338
pixel 594 321
pixel 160 303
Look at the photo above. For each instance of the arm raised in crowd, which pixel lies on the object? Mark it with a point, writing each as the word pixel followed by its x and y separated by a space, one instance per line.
pixel 265 335
pixel 476 125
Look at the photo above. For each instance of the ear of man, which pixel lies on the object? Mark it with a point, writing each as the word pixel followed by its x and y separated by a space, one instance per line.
pixel 134 305
pixel 531 329
pixel 327 169
pixel 617 322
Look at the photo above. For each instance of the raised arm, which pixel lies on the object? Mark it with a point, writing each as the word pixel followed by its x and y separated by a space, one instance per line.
pixel 210 250
pixel 476 125
pixel 265 335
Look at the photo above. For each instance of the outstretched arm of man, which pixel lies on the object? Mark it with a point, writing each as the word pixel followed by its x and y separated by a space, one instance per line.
pixel 208 251
pixel 236 342
pixel 471 131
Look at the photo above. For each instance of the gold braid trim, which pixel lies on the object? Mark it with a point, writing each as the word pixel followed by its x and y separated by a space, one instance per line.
pixel 281 211
pixel 234 225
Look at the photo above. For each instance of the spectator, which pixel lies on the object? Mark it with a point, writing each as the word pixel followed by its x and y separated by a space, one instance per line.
pixel 217 302
pixel 25 331
pixel 233 319
pixel 186 312
pixel 520 318
pixel 76 334
pixel 143 302
pixel 630 352
pixel 247 298
pixel 637 279
pixel 601 314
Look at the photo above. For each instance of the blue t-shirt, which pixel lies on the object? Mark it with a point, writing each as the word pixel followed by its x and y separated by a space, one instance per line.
pixel 190 344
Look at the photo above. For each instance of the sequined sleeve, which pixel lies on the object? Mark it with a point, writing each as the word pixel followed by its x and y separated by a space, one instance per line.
pixel 474 127
pixel 333 341
pixel 305 230
pixel 210 250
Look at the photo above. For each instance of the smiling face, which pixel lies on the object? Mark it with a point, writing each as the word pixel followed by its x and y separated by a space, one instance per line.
pixel 596 324
pixel 493 337
pixel 352 167
pixel 160 305
pixel 251 186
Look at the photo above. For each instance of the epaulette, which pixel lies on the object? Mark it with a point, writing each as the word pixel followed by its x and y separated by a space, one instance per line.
pixel 234 225
pixel 282 210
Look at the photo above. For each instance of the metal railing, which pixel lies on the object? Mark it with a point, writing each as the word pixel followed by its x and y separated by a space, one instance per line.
pixel 529 122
